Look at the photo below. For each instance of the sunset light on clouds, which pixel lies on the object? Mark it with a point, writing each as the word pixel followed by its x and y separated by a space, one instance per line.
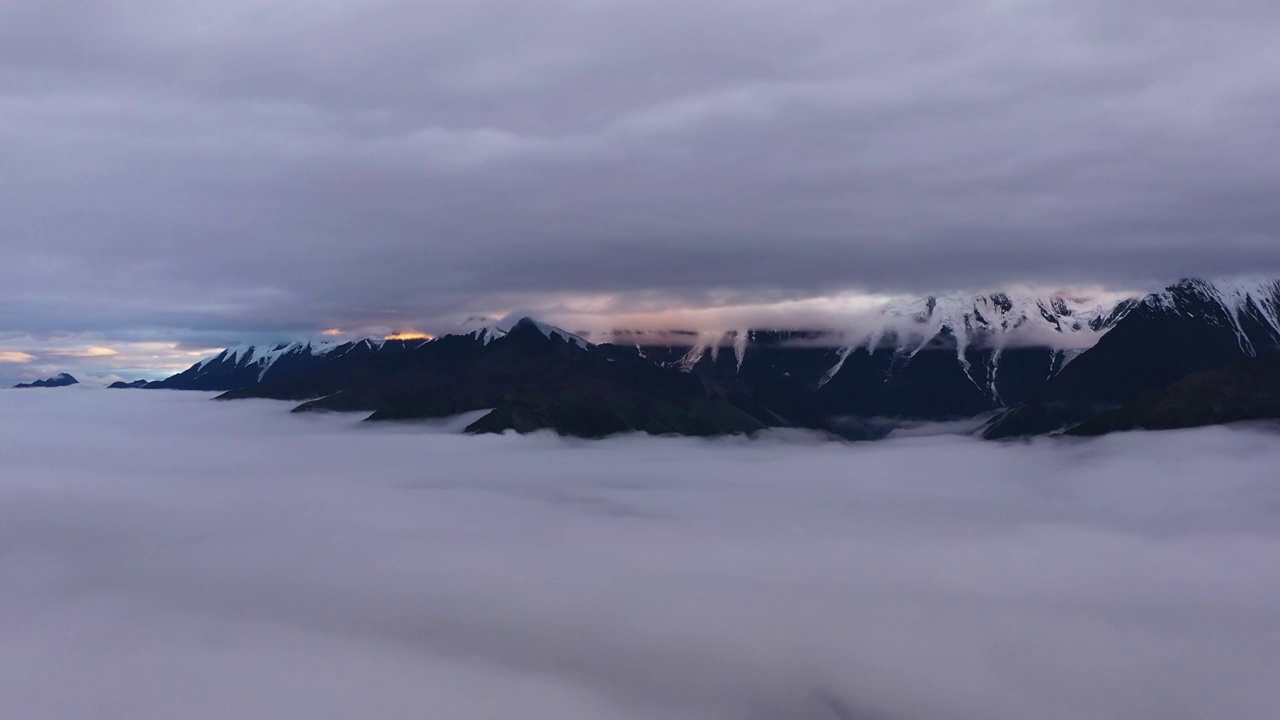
pixel 89 352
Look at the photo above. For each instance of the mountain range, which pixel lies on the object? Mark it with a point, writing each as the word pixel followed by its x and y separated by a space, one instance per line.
pixel 1036 364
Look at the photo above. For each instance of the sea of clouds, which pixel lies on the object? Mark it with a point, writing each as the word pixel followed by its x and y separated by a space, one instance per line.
pixel 163 556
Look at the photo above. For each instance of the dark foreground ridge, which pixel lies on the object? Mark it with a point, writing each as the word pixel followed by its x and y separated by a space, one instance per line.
pixel 1248 391
pixel 59 380
pixel 1195 353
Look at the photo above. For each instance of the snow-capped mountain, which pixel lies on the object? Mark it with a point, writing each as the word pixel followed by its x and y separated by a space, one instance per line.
pixel 264 358
pixel 244 366
pixel 1190 327
pixel 487 330
pixel 936 357
pixel 1249 307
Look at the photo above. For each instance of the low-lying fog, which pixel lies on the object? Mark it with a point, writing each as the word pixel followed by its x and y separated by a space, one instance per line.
pixel 163 556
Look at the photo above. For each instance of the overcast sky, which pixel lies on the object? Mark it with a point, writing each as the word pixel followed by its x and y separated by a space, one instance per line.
pixel 200 173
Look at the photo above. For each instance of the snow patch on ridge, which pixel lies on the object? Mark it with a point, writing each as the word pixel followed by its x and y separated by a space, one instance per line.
pixel 314 349
pixel 488 334
pixel 551 331
pixel 1250 296
pixel 740 340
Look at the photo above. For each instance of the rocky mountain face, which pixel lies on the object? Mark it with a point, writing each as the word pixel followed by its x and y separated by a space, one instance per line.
pixel 59 380
pixel 1043 362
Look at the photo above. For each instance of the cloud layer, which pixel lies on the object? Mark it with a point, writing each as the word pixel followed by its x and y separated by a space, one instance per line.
pixel 310 567
pixel 248 167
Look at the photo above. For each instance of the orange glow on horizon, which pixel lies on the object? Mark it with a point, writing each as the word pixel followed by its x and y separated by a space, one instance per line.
pixel 410 335
pixel 332 331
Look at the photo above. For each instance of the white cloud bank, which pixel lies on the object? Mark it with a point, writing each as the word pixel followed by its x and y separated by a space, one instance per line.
pixel 162 556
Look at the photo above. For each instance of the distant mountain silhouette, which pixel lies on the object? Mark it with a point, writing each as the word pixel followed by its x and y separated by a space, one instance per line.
pixel 59 380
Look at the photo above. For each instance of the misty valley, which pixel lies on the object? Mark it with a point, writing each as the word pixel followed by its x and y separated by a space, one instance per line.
pixel 167 556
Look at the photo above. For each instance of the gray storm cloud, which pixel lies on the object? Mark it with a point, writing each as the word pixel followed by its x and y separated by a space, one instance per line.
pixel 245 167
pixel 312 568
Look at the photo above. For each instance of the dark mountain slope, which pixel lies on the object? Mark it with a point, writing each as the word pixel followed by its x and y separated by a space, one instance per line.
pixel 538 378
pixel 806 374
pixel 1247 391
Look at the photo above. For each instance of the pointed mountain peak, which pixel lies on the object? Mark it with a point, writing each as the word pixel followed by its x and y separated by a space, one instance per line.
pixel 528 325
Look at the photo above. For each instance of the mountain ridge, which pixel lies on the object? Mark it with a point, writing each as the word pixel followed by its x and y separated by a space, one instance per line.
pixel 937 358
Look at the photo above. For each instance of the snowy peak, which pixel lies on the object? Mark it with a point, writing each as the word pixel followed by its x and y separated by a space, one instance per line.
pixel 1250 307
